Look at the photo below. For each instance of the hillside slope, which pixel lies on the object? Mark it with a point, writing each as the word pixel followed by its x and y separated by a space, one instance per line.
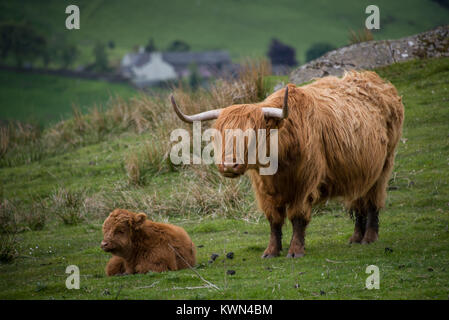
pixel 242 27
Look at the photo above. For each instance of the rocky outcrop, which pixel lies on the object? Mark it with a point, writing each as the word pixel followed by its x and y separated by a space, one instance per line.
pixel 373 54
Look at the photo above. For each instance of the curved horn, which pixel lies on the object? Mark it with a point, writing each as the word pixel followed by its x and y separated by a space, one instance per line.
pixel 203 116
pixel 276 112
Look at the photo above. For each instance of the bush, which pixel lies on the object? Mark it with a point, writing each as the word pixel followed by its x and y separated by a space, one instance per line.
pixel 22 42
pixel 281 54
pixel 150 47
pixel 101 57
pixel 194 77
pixel 178 46
pixel 60 52
pixel 317 50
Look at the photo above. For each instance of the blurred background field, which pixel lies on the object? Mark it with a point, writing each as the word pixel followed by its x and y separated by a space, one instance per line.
pixel 111 29
pixel 47 99
pixel 242 27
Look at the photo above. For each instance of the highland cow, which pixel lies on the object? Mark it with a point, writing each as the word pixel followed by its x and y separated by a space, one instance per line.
pixel 139 245
pixel 337 139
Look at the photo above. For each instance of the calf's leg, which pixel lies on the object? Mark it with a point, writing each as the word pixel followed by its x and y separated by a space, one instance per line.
pixel 115 266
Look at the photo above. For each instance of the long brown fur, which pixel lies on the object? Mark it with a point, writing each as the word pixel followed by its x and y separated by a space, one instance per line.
pixel 139 245
pixel 338 141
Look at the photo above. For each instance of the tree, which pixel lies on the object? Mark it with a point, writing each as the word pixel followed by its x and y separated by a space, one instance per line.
pixel 22 42
pixel 68 55
pixel 281 54
pixel 150 47
pixel 318 49
pixel 194 76
pixel 59 51
pixel 101 57
pixel 178 46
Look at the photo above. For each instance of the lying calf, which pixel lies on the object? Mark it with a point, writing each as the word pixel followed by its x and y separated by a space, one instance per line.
pixel 139 245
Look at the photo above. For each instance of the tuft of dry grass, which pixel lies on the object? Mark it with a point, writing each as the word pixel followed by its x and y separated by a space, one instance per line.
pixel 4 141
pixel 8 248
pixel 152 158
pixel 68 206
pixel 208 193
pixel 35 217
pixel 8 218
pixel 247 88
pixel 133 169
pixel 362 35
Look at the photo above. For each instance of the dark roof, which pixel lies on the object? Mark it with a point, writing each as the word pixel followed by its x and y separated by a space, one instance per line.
pixel 205 57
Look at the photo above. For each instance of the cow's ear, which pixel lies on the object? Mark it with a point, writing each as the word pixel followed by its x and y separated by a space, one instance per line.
pixel 272 123
pixel 139 219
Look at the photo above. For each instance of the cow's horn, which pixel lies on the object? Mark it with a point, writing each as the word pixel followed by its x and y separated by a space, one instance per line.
pixel 203 116
pixel 276 112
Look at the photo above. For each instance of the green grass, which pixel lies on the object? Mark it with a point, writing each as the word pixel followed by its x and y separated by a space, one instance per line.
pixel 47 99
pixel 414 224
pixel 214 24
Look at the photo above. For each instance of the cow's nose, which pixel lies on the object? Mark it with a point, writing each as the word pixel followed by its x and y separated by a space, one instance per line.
pixel 104 244
pixel 233 167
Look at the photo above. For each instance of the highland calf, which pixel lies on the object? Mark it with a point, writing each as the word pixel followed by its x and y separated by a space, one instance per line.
pixel 337 139
pixel 139 245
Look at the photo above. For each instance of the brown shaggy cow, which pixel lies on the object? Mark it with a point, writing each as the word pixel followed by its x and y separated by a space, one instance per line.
pixel 139 245
pixel 337 139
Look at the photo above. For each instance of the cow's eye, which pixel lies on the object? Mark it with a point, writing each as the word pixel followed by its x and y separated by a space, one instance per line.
pixel 119 232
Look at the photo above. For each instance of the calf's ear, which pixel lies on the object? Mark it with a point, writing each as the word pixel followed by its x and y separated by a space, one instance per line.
pixel 139 219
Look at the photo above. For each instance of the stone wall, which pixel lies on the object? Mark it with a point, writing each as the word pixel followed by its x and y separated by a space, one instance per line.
pixel 373 54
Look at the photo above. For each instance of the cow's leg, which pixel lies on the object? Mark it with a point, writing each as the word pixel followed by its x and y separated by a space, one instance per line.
pixel 375 200
pixel 300 219
pixel 276 217
pixel 372 225
pixel 359 227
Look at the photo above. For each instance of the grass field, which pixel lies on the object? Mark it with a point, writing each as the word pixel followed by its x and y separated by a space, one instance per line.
pixel 221 216
pixel 47 99
pixel 214 24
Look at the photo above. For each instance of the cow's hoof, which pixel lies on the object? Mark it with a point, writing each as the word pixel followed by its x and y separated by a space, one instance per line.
pixel 352 240
pixel 296 255
pixel 370 236
pixel 368 241
pixel 269 255
pixel 357 237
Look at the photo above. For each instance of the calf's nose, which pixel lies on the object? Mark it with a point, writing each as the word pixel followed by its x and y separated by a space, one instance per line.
pixel 104 244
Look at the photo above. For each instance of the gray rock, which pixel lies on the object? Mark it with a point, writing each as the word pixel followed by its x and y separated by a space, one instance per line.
pixel 373 54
